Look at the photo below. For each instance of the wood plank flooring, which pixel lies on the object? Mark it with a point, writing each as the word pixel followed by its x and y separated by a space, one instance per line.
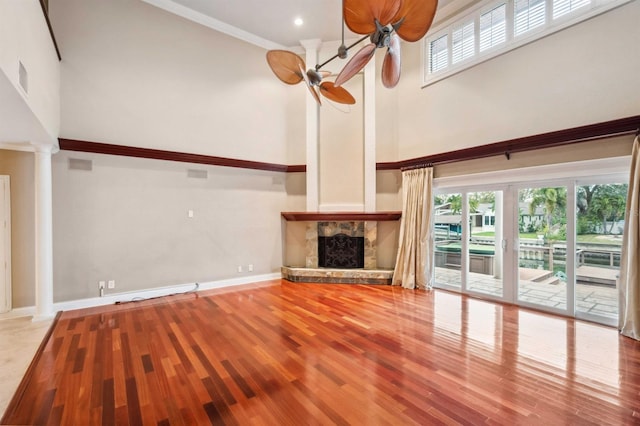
pixel 284 353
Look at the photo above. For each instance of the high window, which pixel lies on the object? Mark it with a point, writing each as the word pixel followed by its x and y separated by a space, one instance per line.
pixel 494 27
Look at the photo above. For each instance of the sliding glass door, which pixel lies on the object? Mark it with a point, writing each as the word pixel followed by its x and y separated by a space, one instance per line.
pixel 470 242
pixel 448 240
pixel 542 247
pixel 549 245
pixel 485 243
pixel 600 210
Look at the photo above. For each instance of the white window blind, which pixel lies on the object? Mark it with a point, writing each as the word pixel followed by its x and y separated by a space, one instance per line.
pixel 562 7
pixel 439 54
pixel 463 42
pixel 493 27
pixel 529 14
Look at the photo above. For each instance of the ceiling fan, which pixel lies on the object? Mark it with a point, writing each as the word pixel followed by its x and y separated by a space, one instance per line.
pixel 384 22
pixel 290 69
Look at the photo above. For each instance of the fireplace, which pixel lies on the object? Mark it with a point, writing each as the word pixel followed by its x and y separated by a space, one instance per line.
pixel 349 235
pixel 341 245
pixel 341 251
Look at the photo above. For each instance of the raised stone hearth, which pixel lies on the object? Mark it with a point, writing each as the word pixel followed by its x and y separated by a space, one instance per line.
pixel 349 227
pixel 337 276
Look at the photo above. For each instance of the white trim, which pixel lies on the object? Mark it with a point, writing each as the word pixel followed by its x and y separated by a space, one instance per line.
pixel 111 299
pixel 575 170
pixel 312 134
pixel 6 242
pixel 27 311
pixel 208 21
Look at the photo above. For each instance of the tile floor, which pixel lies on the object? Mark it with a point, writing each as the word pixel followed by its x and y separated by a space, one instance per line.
pixel 19 340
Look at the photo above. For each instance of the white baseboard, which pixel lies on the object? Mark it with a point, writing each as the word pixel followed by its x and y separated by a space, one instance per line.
pixel 111 299
pixel 27 311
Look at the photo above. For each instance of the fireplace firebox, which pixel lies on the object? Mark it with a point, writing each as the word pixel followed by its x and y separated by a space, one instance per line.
pixel 341 251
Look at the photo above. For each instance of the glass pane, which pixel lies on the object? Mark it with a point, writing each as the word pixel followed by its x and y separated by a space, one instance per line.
pixel 493 29
pixel 542 225
pixel 485 243
pixel 448 239
pixel 529 14
pixel 562 7
pixel 600 213
pixel 463 39
pixel 439 54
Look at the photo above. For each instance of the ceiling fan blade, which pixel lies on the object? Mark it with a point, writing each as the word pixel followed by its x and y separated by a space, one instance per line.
pixel 309 86
pixel 336 94
pixel 324 74
pixel 356 63
pixel 391 64
pixel 360 15
pixel 286 65
pixel 418 16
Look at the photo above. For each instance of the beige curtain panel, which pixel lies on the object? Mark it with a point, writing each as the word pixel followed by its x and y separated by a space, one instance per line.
pixel 414 264
pixel 629 283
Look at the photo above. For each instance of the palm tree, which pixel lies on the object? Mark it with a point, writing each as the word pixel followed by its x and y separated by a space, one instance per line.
pixel 551 199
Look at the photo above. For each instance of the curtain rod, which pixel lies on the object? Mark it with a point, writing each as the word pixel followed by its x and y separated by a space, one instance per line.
pixel 416 166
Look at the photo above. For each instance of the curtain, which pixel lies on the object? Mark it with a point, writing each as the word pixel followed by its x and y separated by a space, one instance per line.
pixel 629 282
pixel 414 263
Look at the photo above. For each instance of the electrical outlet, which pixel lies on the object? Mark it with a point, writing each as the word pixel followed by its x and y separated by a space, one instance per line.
pixel 240 268
pixel 101 285
pixel 250 267
pixel 190 213
pixel 112 283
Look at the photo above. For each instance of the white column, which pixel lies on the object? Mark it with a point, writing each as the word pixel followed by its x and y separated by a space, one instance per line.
pixel 370 136
pixel 313 124
pixel 44 234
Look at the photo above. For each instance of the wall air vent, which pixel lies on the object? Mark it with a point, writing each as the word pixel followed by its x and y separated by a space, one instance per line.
pixel 197 174
pixel 80 164
pixel 23 77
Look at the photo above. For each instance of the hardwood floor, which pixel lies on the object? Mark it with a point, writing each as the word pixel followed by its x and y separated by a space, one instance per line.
pixel 285 353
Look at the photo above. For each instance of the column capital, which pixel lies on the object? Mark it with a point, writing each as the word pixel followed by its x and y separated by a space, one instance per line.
pixel 44 149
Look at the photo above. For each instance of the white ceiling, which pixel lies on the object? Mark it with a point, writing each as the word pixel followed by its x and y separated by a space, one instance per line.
pixel 267 23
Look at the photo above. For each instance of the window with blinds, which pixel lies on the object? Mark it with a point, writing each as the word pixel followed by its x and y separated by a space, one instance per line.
pixel 463 40
pixel 528 14
pixel 494 27
pixel 439 54
pixel 563 7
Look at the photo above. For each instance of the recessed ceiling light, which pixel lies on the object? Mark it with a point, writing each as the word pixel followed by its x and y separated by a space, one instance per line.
pixel 298 22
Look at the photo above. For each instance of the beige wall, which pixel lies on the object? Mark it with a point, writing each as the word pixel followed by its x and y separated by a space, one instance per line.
pixel 582 75
pixel 20 167
pixel 127 220
pixel 24 37
pixel 341 152
pixel 136 75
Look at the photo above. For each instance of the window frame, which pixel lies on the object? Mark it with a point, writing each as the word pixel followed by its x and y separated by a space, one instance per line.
pixel 550 26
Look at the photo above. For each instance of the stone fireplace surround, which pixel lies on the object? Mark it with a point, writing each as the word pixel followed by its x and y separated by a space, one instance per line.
pixel 330 224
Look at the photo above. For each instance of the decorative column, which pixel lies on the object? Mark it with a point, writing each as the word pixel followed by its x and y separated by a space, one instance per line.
pixel 313 124
pixel 370 136
pixel 44 234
